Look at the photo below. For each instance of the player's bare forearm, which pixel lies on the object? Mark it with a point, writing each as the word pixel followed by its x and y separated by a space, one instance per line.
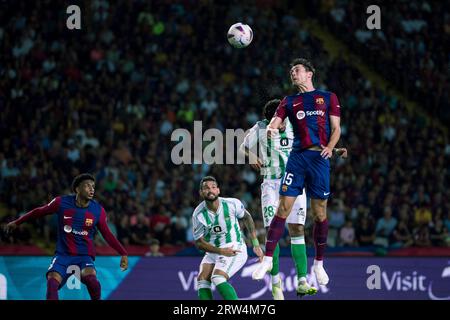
pixel 275 123
pixel 335 131
pixel 249 225
pixel 201 244
pixel 334 138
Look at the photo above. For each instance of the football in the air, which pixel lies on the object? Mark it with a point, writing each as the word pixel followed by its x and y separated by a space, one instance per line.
pixel 240 35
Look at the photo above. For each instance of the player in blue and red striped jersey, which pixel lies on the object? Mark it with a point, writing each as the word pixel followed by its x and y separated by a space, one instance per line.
pixel 79 217
pixel 315 117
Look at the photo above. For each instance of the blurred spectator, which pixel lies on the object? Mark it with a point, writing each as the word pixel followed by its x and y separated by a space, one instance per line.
pixel 365 233
pixel 422 237
pixel 402 236
pixel 439 235
pixel 347 234
pixel 159 222
pixel 422 215
pixel 154 249
pixel 140 232
pixel 385 227
pixel 179 225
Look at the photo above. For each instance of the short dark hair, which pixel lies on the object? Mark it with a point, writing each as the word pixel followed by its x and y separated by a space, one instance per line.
pixel 207 178
pixel 305 63
pixel 80 178
pixel 270 107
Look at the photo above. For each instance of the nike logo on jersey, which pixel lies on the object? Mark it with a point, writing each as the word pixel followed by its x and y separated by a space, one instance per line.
pixel 67 217
pixel 296 104
pixel 326 193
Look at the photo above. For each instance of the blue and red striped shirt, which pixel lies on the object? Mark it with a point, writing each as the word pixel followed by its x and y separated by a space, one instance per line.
pixel 309 114
pixel 77 226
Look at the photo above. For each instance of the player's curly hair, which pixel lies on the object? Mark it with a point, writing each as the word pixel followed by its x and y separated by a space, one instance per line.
pixel 270 107
pixel 80 178
pixel 305 63
pixel 207 178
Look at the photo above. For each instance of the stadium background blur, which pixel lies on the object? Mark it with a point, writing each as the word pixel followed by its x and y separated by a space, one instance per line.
pixel 105 99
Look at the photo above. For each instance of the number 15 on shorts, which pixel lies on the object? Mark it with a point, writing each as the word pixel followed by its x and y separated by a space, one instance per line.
pixel 287 179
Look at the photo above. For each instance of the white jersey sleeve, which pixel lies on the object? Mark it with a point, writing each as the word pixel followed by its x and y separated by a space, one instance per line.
pixel 198 228
pixel 239 208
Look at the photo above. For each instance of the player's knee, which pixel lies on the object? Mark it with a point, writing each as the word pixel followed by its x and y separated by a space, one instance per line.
pixel 283 209
pixel 204 276
pixel 296 230
pixel 319 210
pixel 218 279
pixel 54 275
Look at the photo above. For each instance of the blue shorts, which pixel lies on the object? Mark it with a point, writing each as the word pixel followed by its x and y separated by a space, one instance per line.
pixel 306 169
pixel 62 265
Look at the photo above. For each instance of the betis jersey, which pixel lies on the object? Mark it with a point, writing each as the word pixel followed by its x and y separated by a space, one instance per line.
pixel 220 228
pixel 274 152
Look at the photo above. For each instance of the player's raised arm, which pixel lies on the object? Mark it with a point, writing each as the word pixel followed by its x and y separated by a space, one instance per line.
pixel 112 241
pixel 49 208
pixel 250 226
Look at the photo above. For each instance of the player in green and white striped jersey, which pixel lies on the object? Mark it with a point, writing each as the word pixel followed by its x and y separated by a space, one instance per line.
pixel 270 157
pixel 217 232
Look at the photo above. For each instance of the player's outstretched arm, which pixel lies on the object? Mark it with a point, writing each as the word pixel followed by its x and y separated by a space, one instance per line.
pixel 112 241
pixel 250 225
pixel 201 244
pixel 49 208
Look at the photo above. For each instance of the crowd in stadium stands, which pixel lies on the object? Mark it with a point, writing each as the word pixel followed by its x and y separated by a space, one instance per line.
pixel 409 49
pixel 105 100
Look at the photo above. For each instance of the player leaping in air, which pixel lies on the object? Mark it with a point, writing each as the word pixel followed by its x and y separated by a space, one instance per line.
pixel 271 162
pixel 79 217
pixel 217 233
pixel 315 118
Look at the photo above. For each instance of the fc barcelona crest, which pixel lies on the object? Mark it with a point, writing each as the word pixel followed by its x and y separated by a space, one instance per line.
pixel 320 100
pixel 89 222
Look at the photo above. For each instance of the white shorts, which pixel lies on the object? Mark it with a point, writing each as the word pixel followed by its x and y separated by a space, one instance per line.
pixel 229 265
pixel 269 203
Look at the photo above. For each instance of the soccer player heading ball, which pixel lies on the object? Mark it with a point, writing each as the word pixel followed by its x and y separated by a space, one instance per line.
pixel 269 156
pixel 79 217
pixel 315 118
